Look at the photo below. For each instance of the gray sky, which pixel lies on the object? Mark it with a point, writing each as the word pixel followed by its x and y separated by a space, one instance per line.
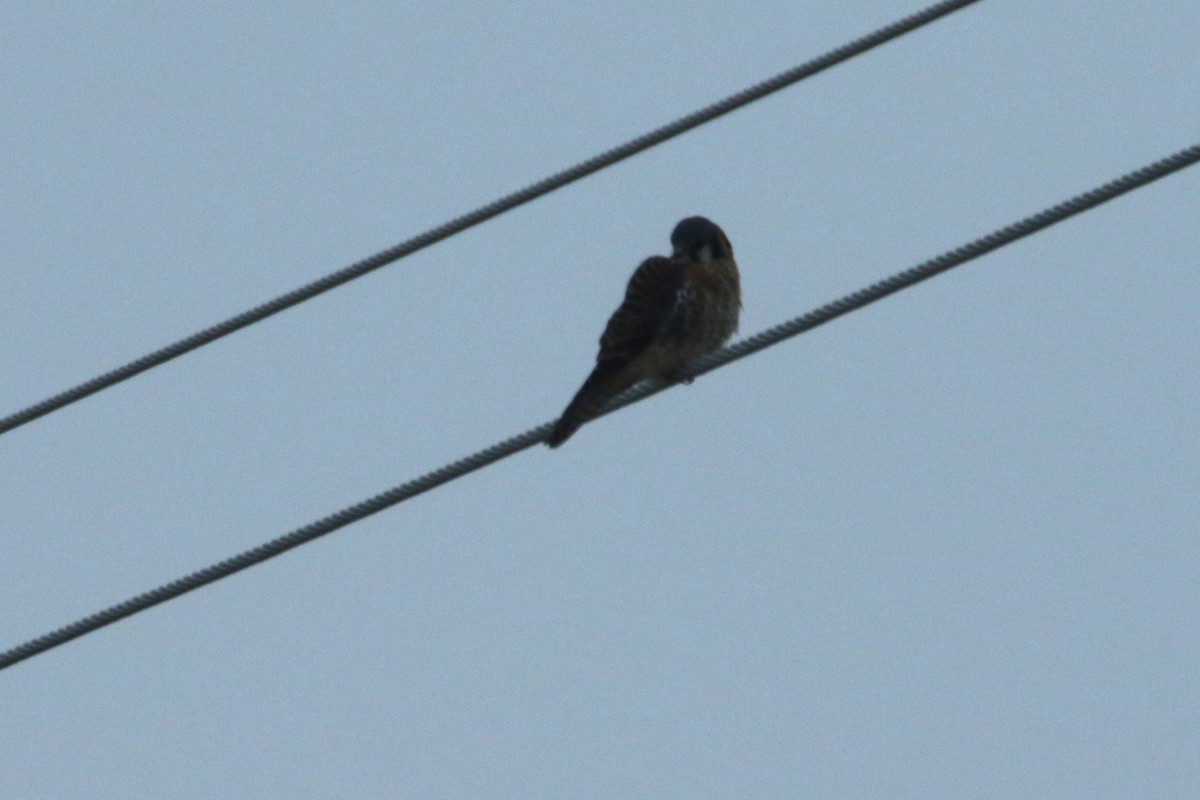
pixel 944 547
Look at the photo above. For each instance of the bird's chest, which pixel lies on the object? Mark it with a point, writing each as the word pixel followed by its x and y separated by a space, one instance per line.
pixel 706 315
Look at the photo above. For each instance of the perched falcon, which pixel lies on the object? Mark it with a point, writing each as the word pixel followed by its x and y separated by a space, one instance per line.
pixel 675 309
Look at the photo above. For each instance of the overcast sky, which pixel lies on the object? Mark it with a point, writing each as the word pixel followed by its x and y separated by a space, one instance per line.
pixel 944 547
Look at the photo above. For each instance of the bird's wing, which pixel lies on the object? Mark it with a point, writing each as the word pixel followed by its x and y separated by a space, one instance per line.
pixel 651 300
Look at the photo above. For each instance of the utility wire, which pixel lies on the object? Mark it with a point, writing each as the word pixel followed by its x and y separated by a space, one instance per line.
pixel 508 447
pixel 483 213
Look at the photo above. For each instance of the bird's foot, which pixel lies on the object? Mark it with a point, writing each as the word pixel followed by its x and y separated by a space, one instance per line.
pixel 678 377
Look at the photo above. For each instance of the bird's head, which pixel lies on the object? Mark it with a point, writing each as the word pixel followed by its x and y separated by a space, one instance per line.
pixel 700 239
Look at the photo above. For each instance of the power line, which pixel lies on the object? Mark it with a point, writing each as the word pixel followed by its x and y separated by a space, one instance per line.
pixel 741 349
pixel 483 213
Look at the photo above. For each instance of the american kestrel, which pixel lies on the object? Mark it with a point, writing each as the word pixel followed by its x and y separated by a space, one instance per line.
pixel 675 309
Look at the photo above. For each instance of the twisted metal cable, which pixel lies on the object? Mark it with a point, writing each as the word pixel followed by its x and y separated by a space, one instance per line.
pixel 483 213
pixel 508 447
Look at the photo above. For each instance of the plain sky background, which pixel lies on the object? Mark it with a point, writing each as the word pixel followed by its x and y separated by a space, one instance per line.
pixel 945 547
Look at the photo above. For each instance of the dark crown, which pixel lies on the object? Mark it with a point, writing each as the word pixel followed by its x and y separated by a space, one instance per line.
pixel 693 233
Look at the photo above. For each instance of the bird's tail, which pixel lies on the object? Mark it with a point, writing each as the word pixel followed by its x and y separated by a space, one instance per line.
pixel 607 380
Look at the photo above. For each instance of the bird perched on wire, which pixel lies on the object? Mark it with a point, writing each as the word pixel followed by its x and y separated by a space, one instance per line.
pixel 675 309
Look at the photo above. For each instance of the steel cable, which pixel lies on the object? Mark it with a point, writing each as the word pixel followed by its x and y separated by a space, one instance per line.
pixel 508 447
pixel 481 214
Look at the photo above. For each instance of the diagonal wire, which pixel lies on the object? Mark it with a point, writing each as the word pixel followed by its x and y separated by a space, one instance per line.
pixel 508 447
pixel 483 213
